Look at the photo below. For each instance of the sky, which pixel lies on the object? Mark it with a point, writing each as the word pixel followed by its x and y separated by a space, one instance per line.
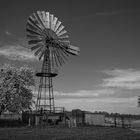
pixel 106 74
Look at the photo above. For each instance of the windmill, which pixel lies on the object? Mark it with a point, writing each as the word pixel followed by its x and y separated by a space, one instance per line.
pixel 48 39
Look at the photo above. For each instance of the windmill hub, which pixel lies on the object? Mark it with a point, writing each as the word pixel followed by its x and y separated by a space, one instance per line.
pixel 49 41
pixel 50 34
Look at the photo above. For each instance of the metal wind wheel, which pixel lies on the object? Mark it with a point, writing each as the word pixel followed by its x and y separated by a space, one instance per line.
pixel 48 38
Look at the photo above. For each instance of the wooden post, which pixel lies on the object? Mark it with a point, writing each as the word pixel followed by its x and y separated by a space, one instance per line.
pixel 29 124
pixel 122 118
pixel 115 122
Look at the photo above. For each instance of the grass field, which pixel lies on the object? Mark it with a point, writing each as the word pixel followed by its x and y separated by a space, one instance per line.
pixel 61 133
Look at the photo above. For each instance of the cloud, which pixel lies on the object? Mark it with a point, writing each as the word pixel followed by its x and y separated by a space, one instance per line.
pixel 8 33
pixel 86 94
pixel 122 78
pixel 17 52
pixel 14 48
pixel 120 105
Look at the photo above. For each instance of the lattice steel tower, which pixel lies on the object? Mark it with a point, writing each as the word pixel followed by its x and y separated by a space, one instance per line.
pixel 46 101
pixel 49 41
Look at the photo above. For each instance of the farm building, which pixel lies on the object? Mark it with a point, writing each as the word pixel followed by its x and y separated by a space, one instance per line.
pixel 44 118
pixel 94 119
pixel 78 117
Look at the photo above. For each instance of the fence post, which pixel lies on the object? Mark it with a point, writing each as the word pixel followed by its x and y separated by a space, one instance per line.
pixel 122 118
pixel 115 122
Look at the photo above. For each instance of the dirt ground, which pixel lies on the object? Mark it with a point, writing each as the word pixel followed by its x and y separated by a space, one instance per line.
pixel 61 133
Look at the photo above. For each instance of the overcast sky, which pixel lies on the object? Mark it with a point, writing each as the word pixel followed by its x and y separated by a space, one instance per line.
pixel 106 75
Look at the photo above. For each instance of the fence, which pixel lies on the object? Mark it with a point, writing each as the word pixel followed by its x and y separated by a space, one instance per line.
pixel 11 119
pixel 119 121
pixel 10 116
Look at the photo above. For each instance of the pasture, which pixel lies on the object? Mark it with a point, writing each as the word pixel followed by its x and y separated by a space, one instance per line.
pixel 63 133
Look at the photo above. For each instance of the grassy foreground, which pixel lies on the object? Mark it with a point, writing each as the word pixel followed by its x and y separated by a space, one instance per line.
pixel 60 133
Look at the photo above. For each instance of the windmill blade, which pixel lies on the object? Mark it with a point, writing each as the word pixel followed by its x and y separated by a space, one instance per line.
pixel 40 19
pixel 32 27
pixel 60 59
pixel 62 33
pixel 36 47
pixel 33 37
pixel 57 25
pixel 54 23
pixel 31 22
pixel 32 19
pixel 38 51
pixel 34 30
pixel 31 32
pixel 73 50
pixel 64 42
pixel 59 29
pixel 62 46
pixel 31 42
pixel 51 21
pixel 47 19
pixel 63 37
pixel 64 50
pixel 55 58
pixel 39 22
pixel 35 18
pixel 44 18
pixel 64 56
pixel 41 54
pixel 60 56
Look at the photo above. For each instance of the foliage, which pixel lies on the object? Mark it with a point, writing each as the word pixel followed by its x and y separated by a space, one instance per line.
pixel 15 92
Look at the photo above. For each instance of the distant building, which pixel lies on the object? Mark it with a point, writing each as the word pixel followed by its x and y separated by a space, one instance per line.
pixel 78 117
pixel 94 119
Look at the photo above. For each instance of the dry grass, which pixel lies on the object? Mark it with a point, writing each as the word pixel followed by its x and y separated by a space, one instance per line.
pixel 61 133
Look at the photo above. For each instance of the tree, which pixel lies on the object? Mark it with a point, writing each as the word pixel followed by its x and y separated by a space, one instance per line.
pixel 15 88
